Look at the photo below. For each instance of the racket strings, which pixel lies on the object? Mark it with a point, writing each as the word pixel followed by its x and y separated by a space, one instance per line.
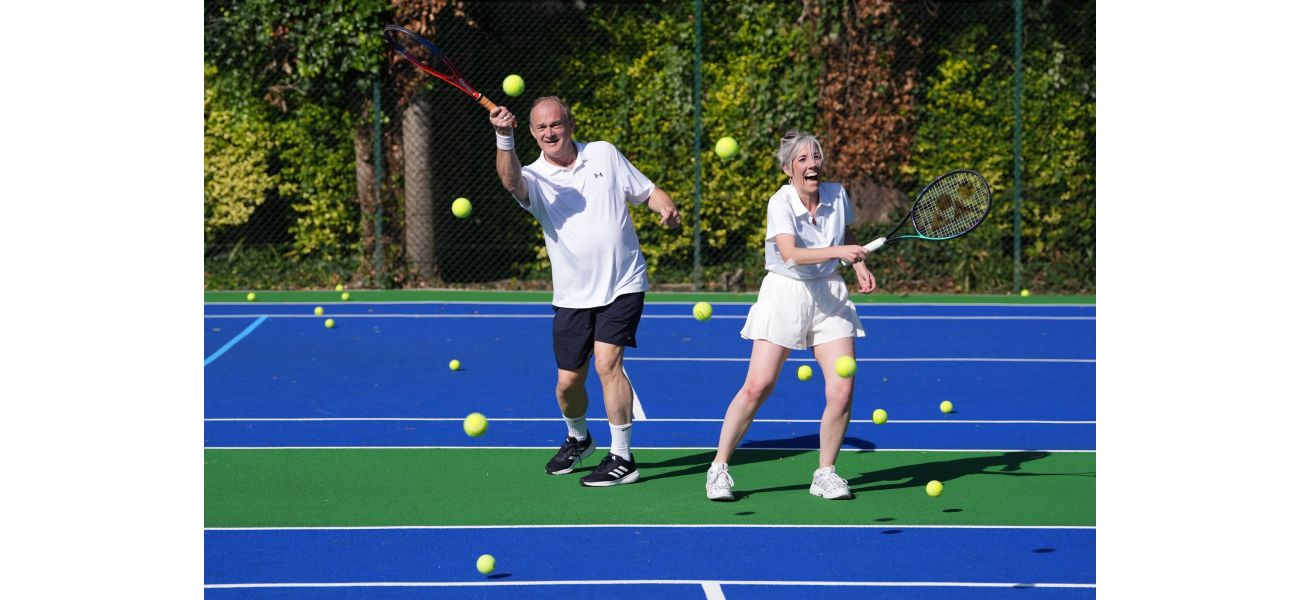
pixel 951 206
pixel 423 55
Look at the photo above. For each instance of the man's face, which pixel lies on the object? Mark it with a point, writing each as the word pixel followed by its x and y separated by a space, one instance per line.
pixel 549 127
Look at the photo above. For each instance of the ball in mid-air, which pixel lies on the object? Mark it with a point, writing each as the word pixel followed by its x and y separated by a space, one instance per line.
pixel 475 424
pixel 934 488
pixel 513 85
pixel 454 365
pixel 727 148
pixel 486 564
pixel 338 288
pixel 945 407
pixel 703 310
pixel 346 296
pixel 320 310
pixel 329 323
pixel 879 416
pixel 846 366
pixel 251 296
pixel 461 207
pixel 1024 292
pixel 805 373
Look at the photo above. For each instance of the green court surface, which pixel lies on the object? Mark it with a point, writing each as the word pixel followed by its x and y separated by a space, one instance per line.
pixel 500 487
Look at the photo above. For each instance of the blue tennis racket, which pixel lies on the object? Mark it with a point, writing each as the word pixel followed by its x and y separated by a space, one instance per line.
pixel 951 206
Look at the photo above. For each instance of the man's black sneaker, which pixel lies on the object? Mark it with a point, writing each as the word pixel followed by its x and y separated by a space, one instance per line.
pixel 612 471
pixel 571 452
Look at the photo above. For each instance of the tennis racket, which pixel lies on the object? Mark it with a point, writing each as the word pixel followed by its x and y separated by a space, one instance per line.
pixel 432 60
pixel 950 207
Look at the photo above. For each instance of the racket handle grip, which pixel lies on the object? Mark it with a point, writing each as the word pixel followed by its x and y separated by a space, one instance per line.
pixel 875 244
pixel 488 104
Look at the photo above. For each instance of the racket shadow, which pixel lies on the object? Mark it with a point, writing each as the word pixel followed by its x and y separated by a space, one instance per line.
pixel 917 475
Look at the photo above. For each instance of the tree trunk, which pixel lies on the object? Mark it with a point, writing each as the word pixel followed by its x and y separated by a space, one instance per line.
pixel 416 170
pixel 362 145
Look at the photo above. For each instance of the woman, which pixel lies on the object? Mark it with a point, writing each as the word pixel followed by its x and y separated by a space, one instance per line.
pixel 802 303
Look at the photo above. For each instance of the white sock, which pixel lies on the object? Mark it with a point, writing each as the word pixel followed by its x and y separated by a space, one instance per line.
pixel 577 427
pixel 620 440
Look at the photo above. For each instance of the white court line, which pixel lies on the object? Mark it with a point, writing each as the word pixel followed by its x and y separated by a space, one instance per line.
pixel 712 591
pixel 644 316
pixel 646 526
pixel 651 302
pixel 699 448
pixel 868 360
pixel 553 420
pixel 361 584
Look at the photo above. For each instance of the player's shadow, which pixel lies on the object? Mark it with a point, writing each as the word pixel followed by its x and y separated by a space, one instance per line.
pixel 755 451
pixel 917 475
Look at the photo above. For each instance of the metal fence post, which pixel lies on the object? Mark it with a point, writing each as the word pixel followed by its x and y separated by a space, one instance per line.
pixel 1020 43
pixel 699 133
pixel 379 185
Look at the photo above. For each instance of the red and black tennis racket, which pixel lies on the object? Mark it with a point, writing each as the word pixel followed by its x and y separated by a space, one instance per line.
pixel 432 60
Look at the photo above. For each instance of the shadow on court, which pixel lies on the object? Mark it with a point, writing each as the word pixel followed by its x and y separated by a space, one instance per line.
pixel 697 464
pixel 917 475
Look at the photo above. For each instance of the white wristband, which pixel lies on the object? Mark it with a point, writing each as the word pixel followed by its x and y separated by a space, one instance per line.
pixel 505 142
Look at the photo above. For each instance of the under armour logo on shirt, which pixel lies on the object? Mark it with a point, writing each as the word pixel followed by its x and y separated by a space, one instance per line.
pixel 600 174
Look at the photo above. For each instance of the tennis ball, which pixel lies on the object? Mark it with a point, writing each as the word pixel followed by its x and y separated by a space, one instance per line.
pixel 934 488
pixel 727 148
pixel 703 310
pixel 486 563
pixel 345 296
pixel 338 288
pixel 454 365
pixel 251 296
pixel 329 323
pixel 320 310
pixel 805 373
pixel 879 416
pixel 1024 292
pixel 513 85
pixel 461 207
pixel 845 366
pixel 475 425
pixel 945 407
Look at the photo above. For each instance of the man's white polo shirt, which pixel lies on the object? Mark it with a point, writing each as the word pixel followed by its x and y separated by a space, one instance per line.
pixel 787 214
pixel 594 251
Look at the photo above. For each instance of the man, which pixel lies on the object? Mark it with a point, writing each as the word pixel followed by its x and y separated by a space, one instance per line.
pixel 580 193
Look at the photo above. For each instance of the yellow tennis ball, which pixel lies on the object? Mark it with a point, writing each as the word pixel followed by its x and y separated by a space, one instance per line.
pixel 805 373
pixel 475 424
pixel 1024 292
pixel 513 85
pixel 934 488
pixel 251 296
pixel 461 207
pixel 727 148
pixel 879 416
pixel 345 296
pixel 703 310
pixel 486 564
pixel 945 407
pixel 329 323
pixel 320 310
pixel 454 365
pixel 338 288
pixel 845 366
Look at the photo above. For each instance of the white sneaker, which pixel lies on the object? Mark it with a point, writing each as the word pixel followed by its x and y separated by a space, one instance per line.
pixel 828 485
pixel 718 485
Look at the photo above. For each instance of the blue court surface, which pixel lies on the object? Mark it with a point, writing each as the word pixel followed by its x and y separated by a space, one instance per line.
pixel 1022 378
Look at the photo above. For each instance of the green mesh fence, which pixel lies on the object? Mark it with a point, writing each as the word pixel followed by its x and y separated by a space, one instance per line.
pixel 328 161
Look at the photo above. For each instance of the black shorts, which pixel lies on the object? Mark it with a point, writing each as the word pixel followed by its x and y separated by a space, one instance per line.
pixel 575 331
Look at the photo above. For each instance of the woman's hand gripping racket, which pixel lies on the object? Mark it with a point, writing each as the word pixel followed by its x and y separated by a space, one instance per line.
pixel 950 207
pixel 430 59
